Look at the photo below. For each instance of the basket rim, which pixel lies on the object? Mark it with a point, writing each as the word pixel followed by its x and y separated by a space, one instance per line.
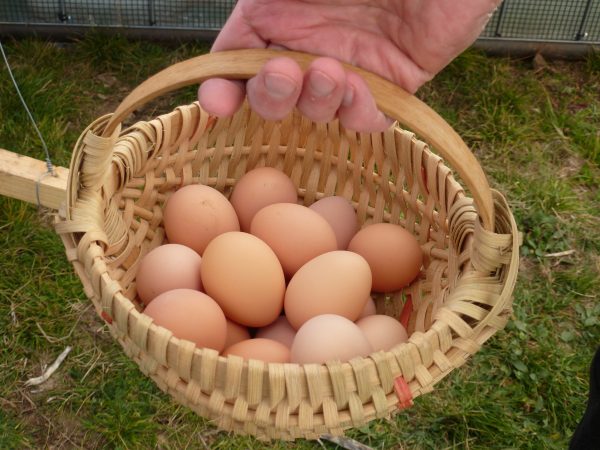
pixel 374 360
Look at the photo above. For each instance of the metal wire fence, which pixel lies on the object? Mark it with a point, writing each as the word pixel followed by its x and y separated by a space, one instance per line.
pixel 186 14
pixel 546 20
pixel 540 20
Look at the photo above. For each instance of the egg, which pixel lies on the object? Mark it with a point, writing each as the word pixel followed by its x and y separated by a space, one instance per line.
pixel 329 337
pixel 337 282
pixel 369 308
pixel 244 277
pixel 382 332
pixel 196 214
pixel 280 331
pixel 190 315
pixel 168 267
pixel 294 232
pixel 340 214
pixel 393 254
pixel 235 333
pixel 263 349
pixel 259 188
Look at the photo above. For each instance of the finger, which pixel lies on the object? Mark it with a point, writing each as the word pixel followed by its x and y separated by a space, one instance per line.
pixel 359 111
pixel 221 97
pixel 323 88
pixel 274 91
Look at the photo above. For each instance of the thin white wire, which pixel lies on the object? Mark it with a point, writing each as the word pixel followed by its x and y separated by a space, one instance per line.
pixel 49 164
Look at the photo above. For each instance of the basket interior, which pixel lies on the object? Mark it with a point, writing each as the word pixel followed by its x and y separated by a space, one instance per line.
pixel 389 177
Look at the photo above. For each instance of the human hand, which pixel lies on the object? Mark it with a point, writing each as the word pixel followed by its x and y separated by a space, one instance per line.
pixel 405 41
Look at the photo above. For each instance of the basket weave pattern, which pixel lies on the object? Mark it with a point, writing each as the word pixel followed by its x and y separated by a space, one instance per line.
pixel 462 297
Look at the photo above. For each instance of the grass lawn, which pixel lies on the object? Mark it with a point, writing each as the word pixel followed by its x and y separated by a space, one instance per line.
pixel 537 134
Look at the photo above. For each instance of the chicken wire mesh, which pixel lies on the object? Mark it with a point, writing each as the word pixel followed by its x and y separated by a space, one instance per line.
pixel 540 20
pixel 546 20
pixel 186 14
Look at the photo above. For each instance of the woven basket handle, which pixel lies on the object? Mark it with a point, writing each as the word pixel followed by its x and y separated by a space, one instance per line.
pixel 391 99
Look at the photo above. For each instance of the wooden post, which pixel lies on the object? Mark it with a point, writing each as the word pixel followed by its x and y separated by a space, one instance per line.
pixel 20 174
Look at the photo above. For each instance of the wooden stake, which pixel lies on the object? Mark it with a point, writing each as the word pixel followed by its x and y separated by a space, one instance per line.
pixel 20 174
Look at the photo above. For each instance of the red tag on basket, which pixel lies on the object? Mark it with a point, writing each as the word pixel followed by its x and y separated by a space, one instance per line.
pixel 106 317
pixel 403 392
pixel 406 311
pixel 210 122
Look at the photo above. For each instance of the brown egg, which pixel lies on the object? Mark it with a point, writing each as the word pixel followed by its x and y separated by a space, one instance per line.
pixel 340 214
pixel 244 277
pixel 382 332
pixel 196 214
pixel 393 254
pixel 369 308
pixel 262 349
pixel 327 338
pixel 337 282
pixel 259 188
pixel 190 315
pixel 235 333
pixel 294 232
pixel 280 331
pixel 168 267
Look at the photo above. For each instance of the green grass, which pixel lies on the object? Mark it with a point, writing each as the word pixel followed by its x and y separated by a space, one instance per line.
pixel 536 134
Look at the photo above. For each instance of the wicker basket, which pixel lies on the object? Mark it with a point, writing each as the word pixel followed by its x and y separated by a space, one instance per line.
pixel 119 181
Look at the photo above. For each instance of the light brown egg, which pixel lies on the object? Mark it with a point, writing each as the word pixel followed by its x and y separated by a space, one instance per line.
pixel 244 277
pixel 280 331
pixel 190 315
pixel 259 188
pixel 168 267
pixel 329 337
pixel 340 214
pixel 294 232
pixel 196 214
pixel 337 282
pixel 382 332
pixel 393 254
pixel 369 308
pixel 235 333
pixel 262 349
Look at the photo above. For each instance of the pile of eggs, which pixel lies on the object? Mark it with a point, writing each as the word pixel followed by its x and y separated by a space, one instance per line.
pixel 263 277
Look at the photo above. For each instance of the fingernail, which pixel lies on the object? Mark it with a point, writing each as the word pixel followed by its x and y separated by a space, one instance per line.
pixel 279 86
pixel 348 96
pixel 321 84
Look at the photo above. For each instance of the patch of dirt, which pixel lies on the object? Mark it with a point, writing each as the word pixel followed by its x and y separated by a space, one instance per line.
pixel 572 166
pixel 527 268
pixel 47 424
pixel 57 431
pixel 539 62
pixel 576 107
pixel 113 92
pixel 108 102
pixel 107 79
pixel 89 323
